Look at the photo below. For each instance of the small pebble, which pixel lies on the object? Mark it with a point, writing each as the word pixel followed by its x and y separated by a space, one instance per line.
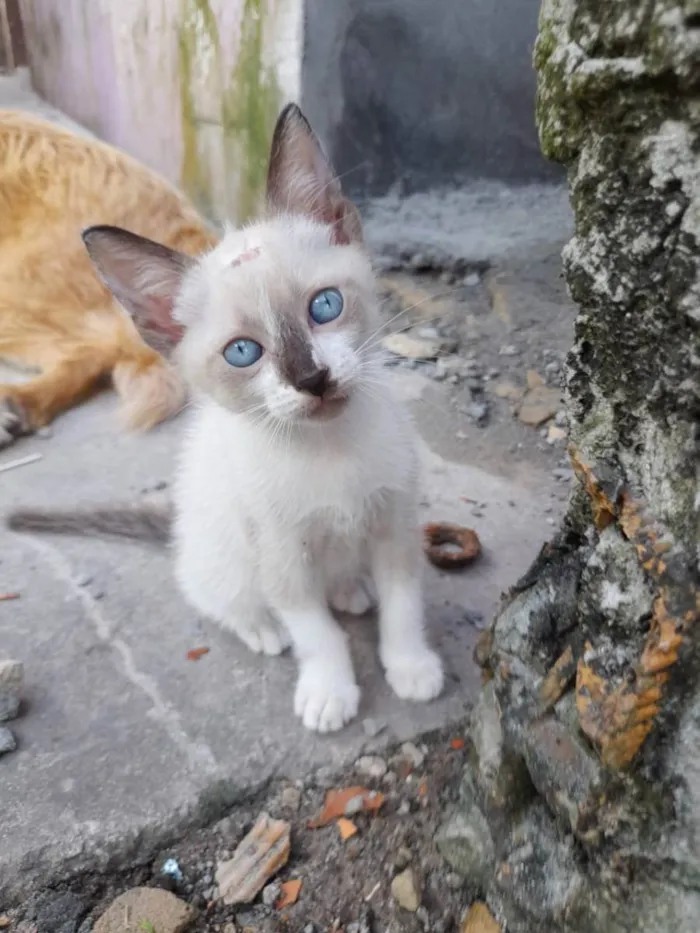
pixel 472 279
pixel 509 350
pixel 372 765
pixel 291 798
pixel 7 741
pixel 404 890
pixel 271 894
pixel 402 858
pixel 413 753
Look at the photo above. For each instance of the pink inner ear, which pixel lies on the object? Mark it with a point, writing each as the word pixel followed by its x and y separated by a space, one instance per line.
pixel 161 318
pixel 339 236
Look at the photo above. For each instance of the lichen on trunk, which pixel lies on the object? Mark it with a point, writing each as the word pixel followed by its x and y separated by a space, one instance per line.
pixel 594 658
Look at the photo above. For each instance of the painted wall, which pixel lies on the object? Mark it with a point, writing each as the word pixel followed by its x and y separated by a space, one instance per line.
pixel 190 87
pixel 420 93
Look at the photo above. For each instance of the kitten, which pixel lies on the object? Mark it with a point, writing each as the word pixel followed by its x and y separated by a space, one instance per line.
pixel 297 486
pixel 55 314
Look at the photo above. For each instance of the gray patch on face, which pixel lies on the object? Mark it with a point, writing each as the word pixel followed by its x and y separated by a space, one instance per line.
pixel 295 356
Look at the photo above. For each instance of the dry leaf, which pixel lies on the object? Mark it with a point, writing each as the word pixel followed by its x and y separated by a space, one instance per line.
pixel 258 857
pixel 479 919
pixel 423 789
pixel 196 653
pixel 6 597
pixel 337 800
pixel 457 744
pixel 290 894
pixel 346 828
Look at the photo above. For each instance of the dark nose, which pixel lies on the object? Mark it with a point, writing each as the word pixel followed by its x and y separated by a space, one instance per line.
pixel 315 383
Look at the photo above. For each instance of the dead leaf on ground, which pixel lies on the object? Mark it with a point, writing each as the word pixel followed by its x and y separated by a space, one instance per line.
pixel 346 828
pixel 290 893
pixel 336 804
pixel 194 654
pixel 6 597
pixel 479 919
pixel 456 744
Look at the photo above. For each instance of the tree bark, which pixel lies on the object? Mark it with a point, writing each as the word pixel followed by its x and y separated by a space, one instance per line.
pixel 581 809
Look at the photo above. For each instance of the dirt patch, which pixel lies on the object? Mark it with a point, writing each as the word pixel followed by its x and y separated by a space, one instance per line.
pixel 346 884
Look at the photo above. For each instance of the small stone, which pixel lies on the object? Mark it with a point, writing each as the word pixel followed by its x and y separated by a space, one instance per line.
pixel 229 928
pixel 472 279
pixel 453 881
pixel 553 367
pixel 466 844
pixel 413 754
pixel 291 798
pixel 271 894
pixel 479 919
pixel 145 908
pixel 404 808
pixel 372 765
pixel 412 348
pixel 509 350
pixel 403 889
pixel 539 405
pixel 555 434
pixel 424 917
pixel 258 857
pixel 534 380
pixel 9 705
pixel 508 390
pixel 7 740
pixel 372 727
pixel 11 675
pixel 560 419
pixel 478 412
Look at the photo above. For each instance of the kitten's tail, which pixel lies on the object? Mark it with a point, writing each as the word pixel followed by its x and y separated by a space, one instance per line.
pixel 151 522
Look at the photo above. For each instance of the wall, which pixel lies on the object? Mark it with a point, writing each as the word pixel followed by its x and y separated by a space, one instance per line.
pixel 424 92
pixel 190 87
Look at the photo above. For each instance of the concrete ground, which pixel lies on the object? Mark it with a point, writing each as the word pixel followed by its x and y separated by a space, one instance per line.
pixel 122 740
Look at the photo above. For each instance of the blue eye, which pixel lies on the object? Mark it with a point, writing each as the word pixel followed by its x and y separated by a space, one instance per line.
pixel 241 353
pixel 326 306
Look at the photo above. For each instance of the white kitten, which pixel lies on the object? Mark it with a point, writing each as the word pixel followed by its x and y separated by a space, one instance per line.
pixel 297 484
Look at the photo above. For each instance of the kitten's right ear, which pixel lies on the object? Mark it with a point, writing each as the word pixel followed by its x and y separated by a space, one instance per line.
pixel 144 277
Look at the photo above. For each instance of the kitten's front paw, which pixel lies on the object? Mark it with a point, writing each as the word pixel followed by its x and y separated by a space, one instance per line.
pixel 325 701
pixel 416 675
pixel 13 422
pixel 265 637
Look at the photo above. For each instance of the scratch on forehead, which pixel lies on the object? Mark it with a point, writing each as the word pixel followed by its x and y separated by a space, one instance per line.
pixel 246 255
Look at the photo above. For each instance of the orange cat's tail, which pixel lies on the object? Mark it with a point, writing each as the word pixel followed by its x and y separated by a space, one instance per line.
pixel 150 391
pixel 149 387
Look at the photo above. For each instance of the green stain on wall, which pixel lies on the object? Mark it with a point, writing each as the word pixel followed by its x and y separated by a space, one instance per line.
pixel 250 106
pixel 194 174
pixel 250 99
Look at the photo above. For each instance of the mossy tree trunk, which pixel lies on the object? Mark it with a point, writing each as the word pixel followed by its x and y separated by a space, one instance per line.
pixel 581 811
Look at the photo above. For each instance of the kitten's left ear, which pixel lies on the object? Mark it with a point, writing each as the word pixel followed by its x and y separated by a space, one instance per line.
pixel 301 180
pixel 145 278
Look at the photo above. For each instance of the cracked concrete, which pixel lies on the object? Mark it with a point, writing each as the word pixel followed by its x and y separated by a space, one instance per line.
pixel 122 740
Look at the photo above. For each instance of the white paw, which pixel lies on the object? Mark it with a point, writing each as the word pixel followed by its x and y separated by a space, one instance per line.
pixel 325 700
pixel 351 597
pixel 417 675
pixel 267 637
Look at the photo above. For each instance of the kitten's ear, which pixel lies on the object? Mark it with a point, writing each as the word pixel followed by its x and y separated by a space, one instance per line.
pixel 144 277
pixel 301 180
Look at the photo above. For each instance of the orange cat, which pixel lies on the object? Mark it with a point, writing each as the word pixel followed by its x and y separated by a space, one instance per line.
pixel 55 315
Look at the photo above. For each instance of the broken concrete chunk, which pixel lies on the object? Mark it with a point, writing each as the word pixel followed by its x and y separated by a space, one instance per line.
pixel 466 844
pixel 259 856
pixel 9 705
pixel 145 909
pixel 7 741
pixel 11 675
pixel 405 892
pixel 534 380
pixel 413 348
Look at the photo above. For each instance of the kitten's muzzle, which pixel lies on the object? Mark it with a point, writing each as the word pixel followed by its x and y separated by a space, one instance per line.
pixel 316 383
